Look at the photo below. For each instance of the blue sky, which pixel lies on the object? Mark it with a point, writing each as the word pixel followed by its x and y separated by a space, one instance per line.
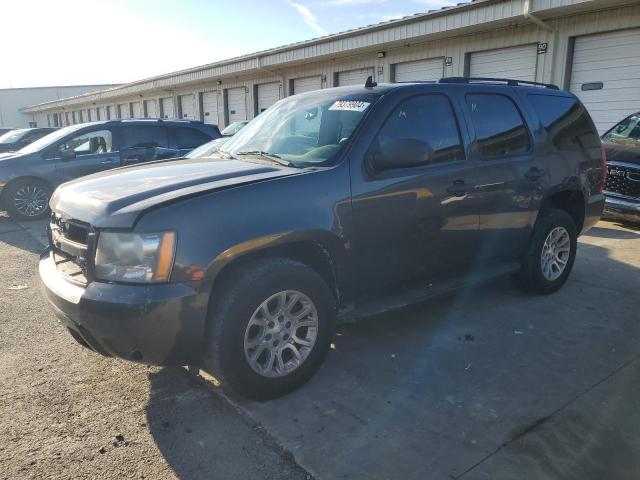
pixel 100 41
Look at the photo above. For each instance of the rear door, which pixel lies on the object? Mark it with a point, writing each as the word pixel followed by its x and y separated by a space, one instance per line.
pixel 418 224
pixel 144 143
pixel 184 139
pixel 509 175
pixel 85 153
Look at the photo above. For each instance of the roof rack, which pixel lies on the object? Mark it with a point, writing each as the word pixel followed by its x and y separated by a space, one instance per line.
pixel 508 81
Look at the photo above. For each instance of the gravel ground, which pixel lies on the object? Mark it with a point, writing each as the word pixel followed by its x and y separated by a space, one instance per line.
pixel 66 412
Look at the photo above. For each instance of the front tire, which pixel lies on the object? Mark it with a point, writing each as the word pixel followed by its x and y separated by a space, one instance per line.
pixel 550 255
pixel 270 327
pixel 27 199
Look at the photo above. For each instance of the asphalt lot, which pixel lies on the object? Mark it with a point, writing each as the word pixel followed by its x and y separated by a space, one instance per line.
pixel 486 383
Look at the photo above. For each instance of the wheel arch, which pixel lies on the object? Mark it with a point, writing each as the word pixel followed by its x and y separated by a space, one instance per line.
pixel 571 201
pixel 321 251
pixel 21 178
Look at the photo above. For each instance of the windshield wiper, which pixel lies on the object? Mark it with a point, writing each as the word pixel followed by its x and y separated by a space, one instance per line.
pixel 269 156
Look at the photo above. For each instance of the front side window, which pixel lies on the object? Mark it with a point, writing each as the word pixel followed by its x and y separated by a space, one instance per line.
pixel 629 128
pixel 500 129
pixel 429 119
pixel 310 129
pixel 91 143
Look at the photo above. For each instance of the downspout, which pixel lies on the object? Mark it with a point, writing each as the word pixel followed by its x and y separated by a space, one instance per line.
pixel 530 16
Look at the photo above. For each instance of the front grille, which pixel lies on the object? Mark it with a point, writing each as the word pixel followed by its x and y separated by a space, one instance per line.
pixel 623 180
pixel 72 247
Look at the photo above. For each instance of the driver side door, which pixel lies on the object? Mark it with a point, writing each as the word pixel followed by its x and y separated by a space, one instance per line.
pixel 85 153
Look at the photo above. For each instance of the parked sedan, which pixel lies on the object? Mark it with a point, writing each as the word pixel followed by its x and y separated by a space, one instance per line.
pixel 622 144
pixel 20 138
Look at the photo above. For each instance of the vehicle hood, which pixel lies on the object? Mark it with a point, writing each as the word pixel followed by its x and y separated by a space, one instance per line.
pixel 622 150
pixel 7 155
pixel 116 198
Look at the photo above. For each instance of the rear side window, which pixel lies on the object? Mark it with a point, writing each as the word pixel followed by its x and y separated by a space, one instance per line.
pixel 428 118
pixel 190 137
pixel 500 129
pixel 143 136
pixel 566 122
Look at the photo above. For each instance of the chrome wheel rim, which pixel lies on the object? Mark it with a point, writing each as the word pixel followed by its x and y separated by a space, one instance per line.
pixel 30 200
pixel 281 334
pixel 555 253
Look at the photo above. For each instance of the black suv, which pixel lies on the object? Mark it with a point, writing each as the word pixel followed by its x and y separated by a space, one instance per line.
pixel 338 203
pixel 20 138
pixel 28 177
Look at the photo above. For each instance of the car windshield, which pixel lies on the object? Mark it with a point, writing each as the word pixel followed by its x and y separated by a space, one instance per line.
pixel 13 136
pixel 629 128
pixel 207 149
pixel 303 130
pixel 233 128
pixel 50 139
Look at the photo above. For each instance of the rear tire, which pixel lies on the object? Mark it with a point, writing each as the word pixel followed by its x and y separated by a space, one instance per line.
pixel 254 342
pixel 27 199
pixel 549 257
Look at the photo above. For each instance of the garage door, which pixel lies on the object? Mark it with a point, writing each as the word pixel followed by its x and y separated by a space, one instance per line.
pixel 151 108
pixel 268 94
pixel 135 107
pixel 102 112
pixel 186 106
pixel 167 107
pixel 421 70
pixel 605 75
pixel 308 84
pixel 124 110
pixel 354 77
pixel 210 108
pixel 518 63
pixel 236 104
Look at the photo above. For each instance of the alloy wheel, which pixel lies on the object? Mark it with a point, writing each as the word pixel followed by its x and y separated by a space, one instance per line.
pixel 30 200
pixel 281 334
pixel 556 251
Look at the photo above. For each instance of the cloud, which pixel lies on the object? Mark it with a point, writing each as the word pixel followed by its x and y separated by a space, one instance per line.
pixel 308 17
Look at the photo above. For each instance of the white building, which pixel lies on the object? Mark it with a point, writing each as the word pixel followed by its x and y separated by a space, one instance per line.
pixel 591 47
pixel 12 100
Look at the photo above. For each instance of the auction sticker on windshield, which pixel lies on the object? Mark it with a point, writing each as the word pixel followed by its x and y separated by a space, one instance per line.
pixel 350 105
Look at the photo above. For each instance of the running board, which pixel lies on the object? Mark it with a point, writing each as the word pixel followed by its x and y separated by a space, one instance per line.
pixel 418 295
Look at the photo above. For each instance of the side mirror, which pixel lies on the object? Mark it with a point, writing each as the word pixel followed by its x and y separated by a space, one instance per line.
pixel 67 154
pixel 401 153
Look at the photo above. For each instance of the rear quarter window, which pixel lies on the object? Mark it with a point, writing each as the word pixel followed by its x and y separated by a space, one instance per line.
pixel 566 121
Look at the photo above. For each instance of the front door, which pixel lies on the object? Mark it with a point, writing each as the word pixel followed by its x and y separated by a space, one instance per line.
pixel 416 224
pixel 84 154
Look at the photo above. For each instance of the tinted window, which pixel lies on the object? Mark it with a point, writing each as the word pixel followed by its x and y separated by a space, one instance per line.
pixel 190 138
pixel 565 120
pixel 430 119
pixel 143 136
pixel 500 129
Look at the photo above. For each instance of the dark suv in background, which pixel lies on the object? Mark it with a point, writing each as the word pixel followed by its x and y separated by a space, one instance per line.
pixel 343 203
pixel 622 144
pixel 28 177
pixel 20 138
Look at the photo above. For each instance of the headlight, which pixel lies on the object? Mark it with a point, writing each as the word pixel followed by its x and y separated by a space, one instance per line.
pixel 135 257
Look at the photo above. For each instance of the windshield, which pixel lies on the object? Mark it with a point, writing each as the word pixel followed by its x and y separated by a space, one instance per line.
pixel 629 128
pixel 207 149
pixel 233 128
pixel 13 136
pixel 50 139
pixel 309 129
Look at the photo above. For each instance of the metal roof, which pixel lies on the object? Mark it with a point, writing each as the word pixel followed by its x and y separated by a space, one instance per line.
pixel 446 19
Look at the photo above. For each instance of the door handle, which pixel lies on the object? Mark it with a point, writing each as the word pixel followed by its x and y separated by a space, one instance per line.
pixel 534 173
pixel 109 162
pixel 458 188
